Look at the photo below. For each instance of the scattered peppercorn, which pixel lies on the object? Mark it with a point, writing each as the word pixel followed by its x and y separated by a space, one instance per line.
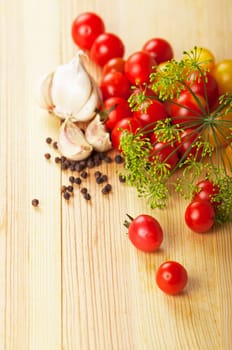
pixel 118 159
pixel 99 180
pixel 87 196
pixel 77 180
pixel 84 190
pixel 97 173
pixel 70 188
pixel 84 174
pixel 55 145
pixel 47 155
pixel 35 202
pixel 57 160
pixel 66 195
pixel 71 179
pixel 106 189
pixel 48 140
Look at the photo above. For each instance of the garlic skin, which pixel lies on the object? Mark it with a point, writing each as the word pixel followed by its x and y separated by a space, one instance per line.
pixel 97 135
pixel 72 143
pixel 70 92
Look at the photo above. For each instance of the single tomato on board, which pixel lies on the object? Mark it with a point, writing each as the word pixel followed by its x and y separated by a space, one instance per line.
pixel 171 277
pixel 145 232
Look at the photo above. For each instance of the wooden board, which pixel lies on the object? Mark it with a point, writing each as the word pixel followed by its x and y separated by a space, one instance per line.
pixel 69 277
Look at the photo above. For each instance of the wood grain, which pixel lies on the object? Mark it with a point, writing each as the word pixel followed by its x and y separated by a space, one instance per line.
pixel 69 278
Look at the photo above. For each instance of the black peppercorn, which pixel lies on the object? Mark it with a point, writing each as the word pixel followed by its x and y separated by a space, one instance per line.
pixel 77 180
pixel 71 179
pixel 47 155
pixel 66 195
pixel 49 140
pixel 87 196
pixel 35 202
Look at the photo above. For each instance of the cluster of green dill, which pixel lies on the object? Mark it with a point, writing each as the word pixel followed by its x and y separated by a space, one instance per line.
pixel 153 178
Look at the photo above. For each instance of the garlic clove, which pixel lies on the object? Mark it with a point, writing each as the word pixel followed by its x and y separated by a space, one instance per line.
pixel 71 88
pixel 44 94
pixel 97 135
pixel 88 111
pixel 72 143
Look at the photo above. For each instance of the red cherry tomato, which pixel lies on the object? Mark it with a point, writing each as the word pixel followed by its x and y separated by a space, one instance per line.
pixel 207 86
pixel 208 190
pixel 138 67
pixel 105 47
pixel 160 49
pixel 199 216
pixel 116 108
pixel 129 123
pixel 185 146
pixel 86 28
pixel 155 111
pixel 171 277
pixel 115 64
pixel 115 84
pixel 145 233
pixel 187 111
pixel 166 152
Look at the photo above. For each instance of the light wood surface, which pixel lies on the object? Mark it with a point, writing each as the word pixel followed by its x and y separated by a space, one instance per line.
pixel 70 279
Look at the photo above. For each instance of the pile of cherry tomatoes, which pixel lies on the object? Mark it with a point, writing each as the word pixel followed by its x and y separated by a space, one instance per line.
pixel 119 75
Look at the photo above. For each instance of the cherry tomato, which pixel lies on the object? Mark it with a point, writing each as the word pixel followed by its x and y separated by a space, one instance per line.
pixel 166 152
pixel 222 72
pixel 138 67
pixel 187 111
pixel 105 47
pixel 206 87
pixel 208 191
pixel 115 64
pixel 128 123
pixel 171 277
pixel 185 146
pixel 115 84
pixel 145 233
pixel 116 108
pixel 86 28
pixel 204 57
pixel 155 111
pixel 199 216
pixel 160 49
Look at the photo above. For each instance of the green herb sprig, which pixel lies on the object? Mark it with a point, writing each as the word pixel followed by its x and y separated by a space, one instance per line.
pixel 152 177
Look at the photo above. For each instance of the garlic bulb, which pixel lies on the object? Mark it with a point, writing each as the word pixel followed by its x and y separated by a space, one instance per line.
pixel 72 143
pixel 97 135
pixel 70 92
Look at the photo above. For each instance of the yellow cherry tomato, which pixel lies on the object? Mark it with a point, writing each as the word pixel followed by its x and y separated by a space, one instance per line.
pixel 222 73
pixel 204 57
pixel 220 134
